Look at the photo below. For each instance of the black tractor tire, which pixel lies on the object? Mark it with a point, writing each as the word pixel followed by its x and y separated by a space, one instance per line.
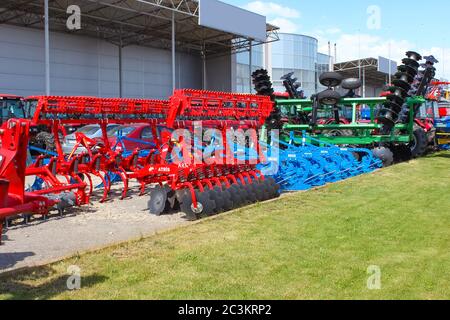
pixel 46 141
pixel 420 142
pixel 330 79
pixel 329 97
pixel 385 155
pixel 402 153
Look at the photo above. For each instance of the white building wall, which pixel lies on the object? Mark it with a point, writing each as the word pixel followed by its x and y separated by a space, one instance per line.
pixel 88 66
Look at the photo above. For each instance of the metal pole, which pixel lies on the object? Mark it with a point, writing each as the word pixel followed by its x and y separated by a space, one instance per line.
pixel 335 53
pixel 47 50
pixel 390 64
pixel 204 73
pixel 204 84
pixel 330 58
pixel 120 71
pixel 250 64
pixel 174 84
pixel 364 81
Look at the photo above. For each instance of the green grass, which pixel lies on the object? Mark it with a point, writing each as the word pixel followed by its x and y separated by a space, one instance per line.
pixel 313 245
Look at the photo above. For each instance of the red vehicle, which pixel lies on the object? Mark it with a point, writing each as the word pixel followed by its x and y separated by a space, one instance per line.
pixel 131 137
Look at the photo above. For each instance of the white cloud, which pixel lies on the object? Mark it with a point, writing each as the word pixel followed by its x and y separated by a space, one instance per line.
pixel 271 9
pixel 285 25
pixel 278 15
pixel 333 31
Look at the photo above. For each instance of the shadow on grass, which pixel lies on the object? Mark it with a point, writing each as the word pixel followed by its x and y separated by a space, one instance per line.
pixel 10 259
pixel 444 154
pixel 15 286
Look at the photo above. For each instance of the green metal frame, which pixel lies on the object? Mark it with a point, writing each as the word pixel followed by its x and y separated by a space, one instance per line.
pixel 362 132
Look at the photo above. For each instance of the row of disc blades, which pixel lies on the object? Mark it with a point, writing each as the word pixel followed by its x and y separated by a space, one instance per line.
pixel 221 199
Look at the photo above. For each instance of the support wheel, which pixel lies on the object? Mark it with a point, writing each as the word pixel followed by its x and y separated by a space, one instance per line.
pixel 420 142
pixel 402 153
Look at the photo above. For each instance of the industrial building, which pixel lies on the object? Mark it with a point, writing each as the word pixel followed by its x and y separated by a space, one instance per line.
pixel 123 48
pixel 374 73
pixel 292 53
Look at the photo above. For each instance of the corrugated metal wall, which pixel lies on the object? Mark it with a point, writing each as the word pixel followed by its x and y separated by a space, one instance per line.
pixel 85 66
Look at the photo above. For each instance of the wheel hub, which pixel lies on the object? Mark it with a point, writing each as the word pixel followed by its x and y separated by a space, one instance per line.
pixel 199 208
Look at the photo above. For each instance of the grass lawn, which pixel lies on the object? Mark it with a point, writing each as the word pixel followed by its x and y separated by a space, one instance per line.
pixel 313 245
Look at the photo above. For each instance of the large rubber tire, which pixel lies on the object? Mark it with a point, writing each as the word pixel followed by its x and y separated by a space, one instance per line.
pixel 401 153
pixel 420 142
pixel 329 97
pixel 330 79
pixel 157 201
pixel 46 141
pixel 385 155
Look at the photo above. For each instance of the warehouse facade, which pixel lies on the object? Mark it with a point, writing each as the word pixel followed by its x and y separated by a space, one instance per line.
pixel 129 48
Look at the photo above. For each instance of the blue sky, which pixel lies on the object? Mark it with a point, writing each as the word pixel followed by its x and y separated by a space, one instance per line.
pixel 403 25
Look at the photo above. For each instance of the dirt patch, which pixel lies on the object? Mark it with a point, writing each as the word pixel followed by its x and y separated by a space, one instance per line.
pixel 82 229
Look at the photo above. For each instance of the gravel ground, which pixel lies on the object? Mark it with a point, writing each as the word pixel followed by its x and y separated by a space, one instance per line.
pixel 81 229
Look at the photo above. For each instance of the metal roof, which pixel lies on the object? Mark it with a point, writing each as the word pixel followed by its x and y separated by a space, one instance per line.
pixel 132 22
pixel 350 69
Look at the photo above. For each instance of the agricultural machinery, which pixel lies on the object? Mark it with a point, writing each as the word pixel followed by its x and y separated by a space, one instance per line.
pixel 40 138
pixel 312 164
pixel 392 133
pixel 439 107
pixel 174 166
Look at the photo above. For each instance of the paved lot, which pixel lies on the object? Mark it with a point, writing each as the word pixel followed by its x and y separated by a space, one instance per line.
pixel 80 230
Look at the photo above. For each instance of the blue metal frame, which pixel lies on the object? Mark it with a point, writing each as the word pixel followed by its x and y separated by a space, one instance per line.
pixel 302 167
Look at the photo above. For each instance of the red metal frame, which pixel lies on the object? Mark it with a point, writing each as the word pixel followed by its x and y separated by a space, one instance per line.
pixel 184 109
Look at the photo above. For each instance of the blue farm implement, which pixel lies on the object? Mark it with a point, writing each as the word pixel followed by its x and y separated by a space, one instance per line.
pixel 302 165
